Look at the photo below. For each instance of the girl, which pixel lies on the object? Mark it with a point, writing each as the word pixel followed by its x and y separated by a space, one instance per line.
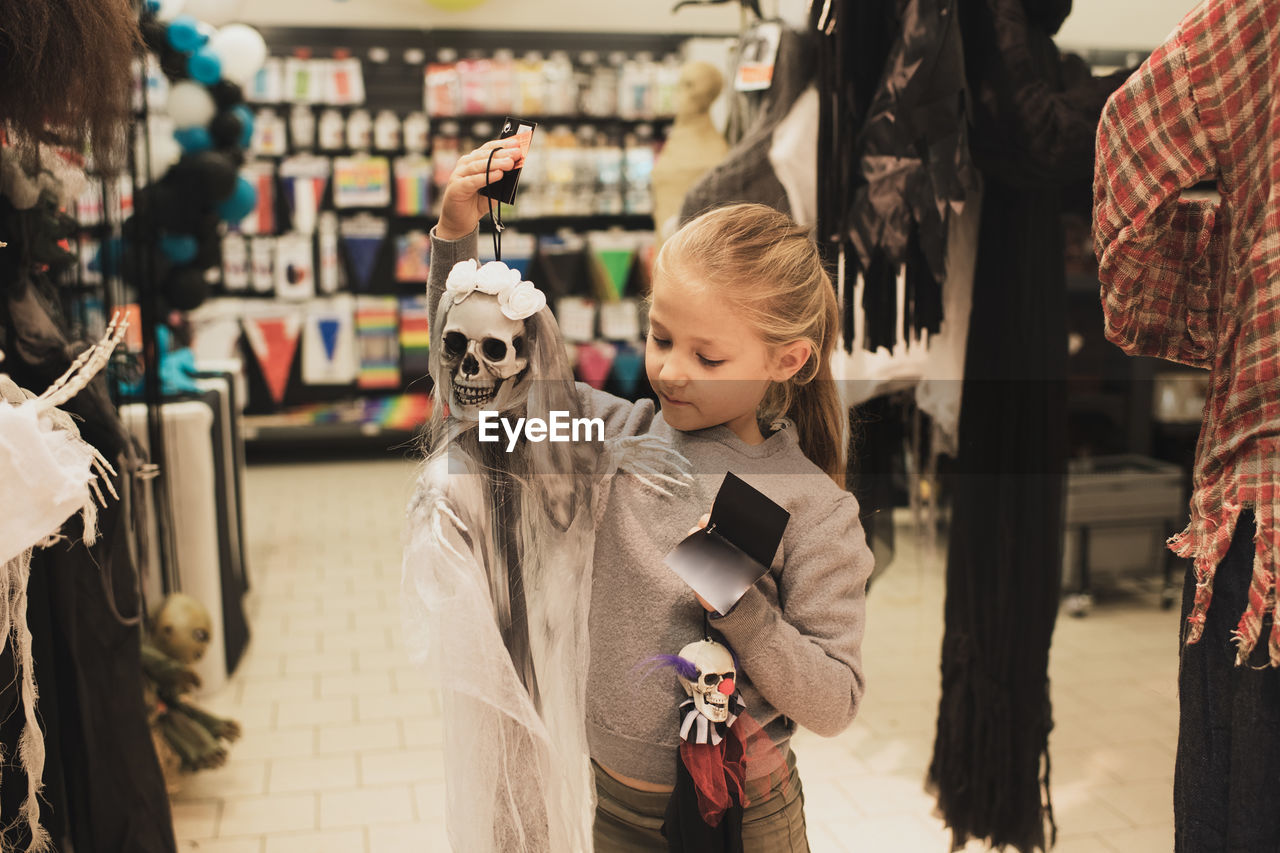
pixel 743 322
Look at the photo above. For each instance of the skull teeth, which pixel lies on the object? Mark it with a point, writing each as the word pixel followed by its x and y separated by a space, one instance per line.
pixel 474 395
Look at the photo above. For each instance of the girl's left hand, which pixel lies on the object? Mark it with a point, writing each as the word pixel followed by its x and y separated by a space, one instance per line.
pixel 702 522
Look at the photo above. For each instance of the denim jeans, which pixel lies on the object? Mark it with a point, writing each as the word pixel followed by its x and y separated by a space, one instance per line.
pixel 1226 787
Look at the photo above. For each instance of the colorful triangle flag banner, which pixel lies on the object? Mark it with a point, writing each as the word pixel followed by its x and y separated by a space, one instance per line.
pixel 329 352
pixel 594 362
pixel 274 341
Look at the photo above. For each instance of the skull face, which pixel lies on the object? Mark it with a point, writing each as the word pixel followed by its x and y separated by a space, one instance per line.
pixel 717 678
pixel 484 356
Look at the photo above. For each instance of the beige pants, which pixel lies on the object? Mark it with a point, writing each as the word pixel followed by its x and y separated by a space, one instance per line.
pixel 630 821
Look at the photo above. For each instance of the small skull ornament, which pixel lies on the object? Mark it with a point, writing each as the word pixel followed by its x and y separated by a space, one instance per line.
pixel 484 355
pixel 183 629
pixel 717 678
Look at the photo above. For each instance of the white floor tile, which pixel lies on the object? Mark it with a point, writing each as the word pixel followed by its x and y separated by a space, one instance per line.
pixel 356 765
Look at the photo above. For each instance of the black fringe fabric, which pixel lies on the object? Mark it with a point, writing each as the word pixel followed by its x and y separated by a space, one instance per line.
pixel 990 765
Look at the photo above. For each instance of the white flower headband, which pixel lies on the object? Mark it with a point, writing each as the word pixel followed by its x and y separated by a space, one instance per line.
pixel 517 299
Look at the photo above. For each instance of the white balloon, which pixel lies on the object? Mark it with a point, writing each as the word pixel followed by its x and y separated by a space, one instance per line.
pixel 169 9
pixel 241 50
pixel 165 151
pixel 216 12
pixel 190 104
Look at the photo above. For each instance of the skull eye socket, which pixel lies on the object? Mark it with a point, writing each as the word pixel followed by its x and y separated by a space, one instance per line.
pixel 455 344
pixel 711 679
pixel 494 349
pixel 200 635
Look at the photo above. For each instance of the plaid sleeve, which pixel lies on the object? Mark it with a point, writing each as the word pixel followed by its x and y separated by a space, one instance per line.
pixel 1159 255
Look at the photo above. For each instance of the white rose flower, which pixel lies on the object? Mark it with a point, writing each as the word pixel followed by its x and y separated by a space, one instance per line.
pixel 495 276
pixel 521 301
pixel 461 281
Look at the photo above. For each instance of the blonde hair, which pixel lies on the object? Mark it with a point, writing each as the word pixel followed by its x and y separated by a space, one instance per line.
pixel 768 269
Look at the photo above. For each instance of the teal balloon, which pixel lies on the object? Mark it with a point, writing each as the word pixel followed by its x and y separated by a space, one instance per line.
pixel 184 34
pixel 194 139
pixel 241 202
pixel 179 248
pixel 204 67
pixel 109 258
pixel 246 124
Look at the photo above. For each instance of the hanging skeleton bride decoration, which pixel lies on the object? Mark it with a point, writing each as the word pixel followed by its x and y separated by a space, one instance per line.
pixel 49 473
pixel 497 570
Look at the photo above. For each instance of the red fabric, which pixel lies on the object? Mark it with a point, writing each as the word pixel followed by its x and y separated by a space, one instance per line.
pixel 1194 280
pixel 721 770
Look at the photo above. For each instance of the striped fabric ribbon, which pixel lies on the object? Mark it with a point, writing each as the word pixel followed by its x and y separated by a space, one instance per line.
pixel 696 728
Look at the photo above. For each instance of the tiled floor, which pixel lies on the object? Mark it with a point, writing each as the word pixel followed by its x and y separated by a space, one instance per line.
pixel 342 744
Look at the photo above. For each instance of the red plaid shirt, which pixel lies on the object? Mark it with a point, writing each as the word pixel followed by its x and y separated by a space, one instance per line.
pixel 1198 282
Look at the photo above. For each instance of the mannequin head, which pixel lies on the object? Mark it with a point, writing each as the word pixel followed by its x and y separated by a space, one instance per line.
pixel 699 85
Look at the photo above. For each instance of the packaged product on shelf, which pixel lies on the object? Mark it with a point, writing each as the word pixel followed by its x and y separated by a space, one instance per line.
pixel 303 80
pixel 295 273
pixel 531 85
pixel 90 265
pixel 267 86
pixel 668 82
pixel 302 127
pixel 263 256
pixel 620 321
pixel 304 179
pixel 362 237
pixel 518 250
pixel 474 85
pixel 270 138
pixel 386 131
pixel 442 90
pixel 262 220
pixel 602 100
pixel 413 185
pixel 641 151
pixel 361 181
pixel 577 319
pixel 344 83
pixel 561 86
pixel 416 133
pixel 608 156
pixel 359 130
pixel 636 88
pixel 329 275
pixel 235 262
pixel 415 336
pixel 156 86
pixel 273 332
pixel 593 361
pixel 329 352
pixel 89 204
pixel 413 257
pixel 332 131
pixel 561 155
pixel 118 201
pixel 503 84
pixel 378 334
pixel 445 151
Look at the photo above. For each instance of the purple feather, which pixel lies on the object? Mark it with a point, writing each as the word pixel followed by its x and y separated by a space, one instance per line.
pixel 683 666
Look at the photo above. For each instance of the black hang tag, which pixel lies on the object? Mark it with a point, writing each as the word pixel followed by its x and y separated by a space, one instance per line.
pixel 504 189
pixel 722 561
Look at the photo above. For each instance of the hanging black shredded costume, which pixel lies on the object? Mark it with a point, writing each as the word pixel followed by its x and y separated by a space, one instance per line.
pixel 1036 113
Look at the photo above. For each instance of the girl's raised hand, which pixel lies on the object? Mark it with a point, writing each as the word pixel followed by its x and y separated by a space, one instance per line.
pixel 462 206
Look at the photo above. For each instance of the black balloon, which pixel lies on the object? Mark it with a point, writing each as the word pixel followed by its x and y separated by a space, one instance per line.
pixel 186 288
pixel 173 62
pixel 154 35
pixel 226 94
pixel 207 176
pixel 225 129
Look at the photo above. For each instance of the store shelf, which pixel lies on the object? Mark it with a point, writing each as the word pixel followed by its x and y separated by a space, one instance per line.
pixel 395 416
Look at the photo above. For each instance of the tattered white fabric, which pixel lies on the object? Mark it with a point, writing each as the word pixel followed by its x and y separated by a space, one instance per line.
pixel 48 473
